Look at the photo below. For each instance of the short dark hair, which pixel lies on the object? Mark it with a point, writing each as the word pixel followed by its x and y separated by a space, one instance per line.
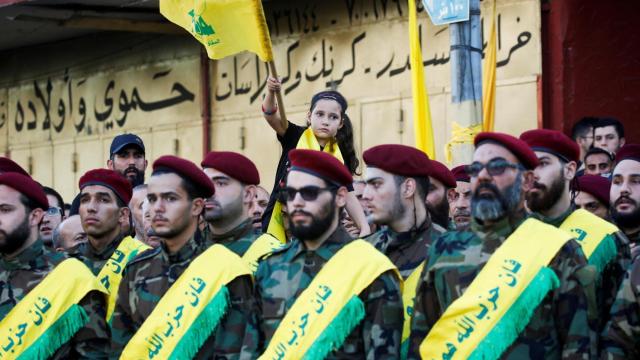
pixel 582 127
pixel 29 203
pixel 52 192
pixel 189 187
pixel 617 125
pixel 596 150
pixel 422 184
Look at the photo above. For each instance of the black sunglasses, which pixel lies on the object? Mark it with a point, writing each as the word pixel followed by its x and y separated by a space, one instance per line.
pixel 494 167
pixel 308 193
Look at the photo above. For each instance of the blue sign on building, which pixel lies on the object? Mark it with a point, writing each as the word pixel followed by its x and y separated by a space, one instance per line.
pixel 444 12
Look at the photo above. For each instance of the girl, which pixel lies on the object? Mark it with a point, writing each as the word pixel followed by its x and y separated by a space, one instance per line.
pixel 327 125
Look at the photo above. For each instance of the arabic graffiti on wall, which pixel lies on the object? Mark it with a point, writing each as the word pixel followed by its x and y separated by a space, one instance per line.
pixel 62 107
pixel 361 48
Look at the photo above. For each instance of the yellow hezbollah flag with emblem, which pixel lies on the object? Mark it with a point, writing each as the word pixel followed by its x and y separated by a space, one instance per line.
pixel 224 27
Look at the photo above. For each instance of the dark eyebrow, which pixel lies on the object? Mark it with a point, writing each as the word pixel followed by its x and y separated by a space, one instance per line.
pixel 220 178
pixel 369 181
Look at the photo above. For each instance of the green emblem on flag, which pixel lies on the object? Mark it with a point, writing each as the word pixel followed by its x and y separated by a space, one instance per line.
pixel 200 26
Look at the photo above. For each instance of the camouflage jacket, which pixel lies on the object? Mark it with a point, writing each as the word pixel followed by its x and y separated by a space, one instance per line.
pixel 93 258
pixel 237 240
pixel 606 287
pixel 621 336
pixel 407 250
pixel 558 327
pixel 23 273
pixel 148 277
pixel 282 277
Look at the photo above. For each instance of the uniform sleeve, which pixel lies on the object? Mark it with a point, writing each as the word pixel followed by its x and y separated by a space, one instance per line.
pixel 230 333
pixel 92 340
pixel 621 336
pixel 571 307
pixel 426 311
pixel 122 324
pixel 382 326
pixel 253 343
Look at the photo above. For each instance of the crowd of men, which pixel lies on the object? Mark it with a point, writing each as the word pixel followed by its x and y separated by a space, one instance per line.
pixel 528 252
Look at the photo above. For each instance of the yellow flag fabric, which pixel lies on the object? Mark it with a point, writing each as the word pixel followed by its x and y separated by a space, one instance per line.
pixel 111 273
pixel 408 296
pixel 319 307
pixel 498 304
pixel 49 315
pixel 263 245
pixel 200 290
pixel 489 78
pixel 224 27
pixel 307 141
pixel 421 112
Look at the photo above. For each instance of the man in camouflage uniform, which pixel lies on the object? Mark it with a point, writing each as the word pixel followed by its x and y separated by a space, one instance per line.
pixel 549 201
pixel 625 194
pixel 104 195
pixel 441 182
pixel 227 211
pixel 176 193
pixel 25 262
pixel 460 200
pixel 397 179
pixel 621 337
pixel 500 174
pixel 315 192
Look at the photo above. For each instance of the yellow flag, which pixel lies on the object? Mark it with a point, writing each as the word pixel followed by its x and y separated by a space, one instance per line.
pixel 421 111
pixel 224 27
pixel 489 78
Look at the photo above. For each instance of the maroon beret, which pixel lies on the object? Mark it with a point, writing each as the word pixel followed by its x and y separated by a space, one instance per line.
pixel 188 170
pixel 109 179
pixel 8 165
pixel 460 173
pixel 441 172
pixel 628 152
pixel 517 147
pixel 595 185
pixel 399 160
pixel 27 187
pixel 320 164
pixel 553 142
pixel 233 164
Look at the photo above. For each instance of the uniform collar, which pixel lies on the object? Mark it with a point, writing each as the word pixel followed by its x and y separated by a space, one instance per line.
pixel 399 240
pixel 329 247
pixel 26 260
pixel 501 229
pixel 105 253
pixel 240 231
pixel 187 252
pixel 557 221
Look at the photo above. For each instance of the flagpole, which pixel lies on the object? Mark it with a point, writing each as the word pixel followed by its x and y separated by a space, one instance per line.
pixel 283 116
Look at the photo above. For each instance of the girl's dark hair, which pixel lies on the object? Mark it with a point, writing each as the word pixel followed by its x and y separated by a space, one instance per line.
pixel 344 137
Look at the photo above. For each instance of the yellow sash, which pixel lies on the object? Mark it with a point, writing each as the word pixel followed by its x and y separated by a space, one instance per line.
pixel 329 309
pixel 261 246
pixel 190 310
pixel 111 273
pixel 307 141
pixel 49 315
pixel 498 304
pixel 595 235
pixel 408 296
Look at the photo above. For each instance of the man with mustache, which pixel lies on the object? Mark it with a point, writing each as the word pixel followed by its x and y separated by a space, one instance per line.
pixel 104 195
pixel 440 182
pixel 300 287
pixel 44 295
pixel 460 200
pixel 127 156
pixel 550 201
pixel 185 295
pixel 235 178
pixel 625 193
pixel 475 280
pixel 258 206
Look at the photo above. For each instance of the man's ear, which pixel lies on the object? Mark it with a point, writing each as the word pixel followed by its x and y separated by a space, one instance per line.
pixel 197 206
pixel 622 142
pixel 341 196
pixel 110 164
pixel 451 195
pixel 570 170
pixel 124 214
pixel 408 188
pixel 527 180
pixel 249 194
pixel 35 217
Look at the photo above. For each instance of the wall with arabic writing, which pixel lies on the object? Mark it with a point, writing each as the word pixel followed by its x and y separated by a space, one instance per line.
pixel 361 49
pixel 61 104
